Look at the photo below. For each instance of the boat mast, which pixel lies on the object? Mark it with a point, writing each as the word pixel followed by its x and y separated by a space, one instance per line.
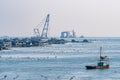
pixel 100 53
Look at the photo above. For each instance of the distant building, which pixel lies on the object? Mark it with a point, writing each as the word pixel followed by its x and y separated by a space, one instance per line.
pixel 68 34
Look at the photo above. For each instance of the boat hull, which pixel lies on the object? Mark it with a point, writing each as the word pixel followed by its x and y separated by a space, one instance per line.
pixel 97 67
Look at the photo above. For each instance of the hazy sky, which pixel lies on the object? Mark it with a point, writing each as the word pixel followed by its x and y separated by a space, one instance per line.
pixel 86 17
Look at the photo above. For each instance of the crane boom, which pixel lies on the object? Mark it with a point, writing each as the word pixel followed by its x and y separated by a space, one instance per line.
pixel 45 28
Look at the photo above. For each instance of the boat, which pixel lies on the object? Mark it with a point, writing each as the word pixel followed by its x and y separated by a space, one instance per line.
pixel 102 63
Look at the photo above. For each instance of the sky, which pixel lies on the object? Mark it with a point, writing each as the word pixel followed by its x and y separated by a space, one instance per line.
pixel 92 18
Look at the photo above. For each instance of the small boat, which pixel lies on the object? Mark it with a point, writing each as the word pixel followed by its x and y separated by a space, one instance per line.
pixel 102 63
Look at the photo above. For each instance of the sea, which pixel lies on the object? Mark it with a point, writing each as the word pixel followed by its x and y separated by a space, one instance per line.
pixel 62 61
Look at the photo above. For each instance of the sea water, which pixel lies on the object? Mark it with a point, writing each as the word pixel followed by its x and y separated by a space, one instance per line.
pixel 61 61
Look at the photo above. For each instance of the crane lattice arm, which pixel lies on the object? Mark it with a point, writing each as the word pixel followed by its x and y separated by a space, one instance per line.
pixel 45 28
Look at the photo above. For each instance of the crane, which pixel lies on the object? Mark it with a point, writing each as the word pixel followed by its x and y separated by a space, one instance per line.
pixel 45 28
pixel 37 32
pixel 44 33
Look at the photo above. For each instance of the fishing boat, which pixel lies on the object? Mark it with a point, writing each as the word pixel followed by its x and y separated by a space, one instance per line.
pixel 102 63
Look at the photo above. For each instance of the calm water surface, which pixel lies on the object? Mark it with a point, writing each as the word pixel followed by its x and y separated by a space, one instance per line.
pixel 61 62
